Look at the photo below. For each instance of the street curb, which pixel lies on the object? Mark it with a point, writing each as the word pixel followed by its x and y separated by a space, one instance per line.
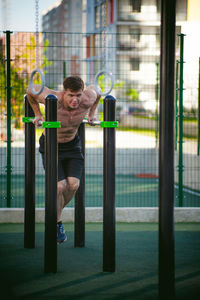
pixel 95 214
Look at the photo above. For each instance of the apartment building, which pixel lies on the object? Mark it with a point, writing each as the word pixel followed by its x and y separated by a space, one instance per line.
pixel 191 30
pixel 62 24
pixel 132 43
pixel 122 36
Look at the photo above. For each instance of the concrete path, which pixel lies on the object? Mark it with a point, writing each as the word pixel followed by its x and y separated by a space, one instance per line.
pixel 135 154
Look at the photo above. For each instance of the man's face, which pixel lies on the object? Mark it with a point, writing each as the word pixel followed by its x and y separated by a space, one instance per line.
pixel 72 99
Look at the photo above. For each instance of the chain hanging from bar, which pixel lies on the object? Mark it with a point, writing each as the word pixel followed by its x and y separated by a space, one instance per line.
pixel 104 74
pixel 37 32
pixel 37 69
pixel 104 36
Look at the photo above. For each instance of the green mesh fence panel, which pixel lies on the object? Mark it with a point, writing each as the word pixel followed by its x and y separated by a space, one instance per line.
pixel 133 58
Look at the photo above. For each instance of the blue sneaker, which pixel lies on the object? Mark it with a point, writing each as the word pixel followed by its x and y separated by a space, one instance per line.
pixel 61 236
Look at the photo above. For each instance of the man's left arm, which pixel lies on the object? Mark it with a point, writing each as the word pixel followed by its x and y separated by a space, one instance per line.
pixel 92 109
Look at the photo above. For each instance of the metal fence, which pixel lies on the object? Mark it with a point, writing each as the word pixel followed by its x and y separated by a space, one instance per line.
pixel 134 62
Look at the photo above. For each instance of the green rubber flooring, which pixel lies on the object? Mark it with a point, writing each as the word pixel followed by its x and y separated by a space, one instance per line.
pixel 79 271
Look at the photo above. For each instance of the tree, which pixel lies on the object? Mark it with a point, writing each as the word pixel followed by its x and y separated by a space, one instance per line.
pixel 21 67
pixel 132 94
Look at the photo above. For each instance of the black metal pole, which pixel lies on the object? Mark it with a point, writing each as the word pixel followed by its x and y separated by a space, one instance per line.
pixel 51 174
pixel 166 151
pixel 79 224
pixel 29 203
pixel 109 188
pixel 8 96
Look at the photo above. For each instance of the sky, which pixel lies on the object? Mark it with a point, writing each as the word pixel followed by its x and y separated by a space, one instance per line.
pixel 21 14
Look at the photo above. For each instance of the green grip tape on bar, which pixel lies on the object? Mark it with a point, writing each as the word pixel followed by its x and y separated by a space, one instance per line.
pixel 27 119
pixel 51 124
pixel 109 124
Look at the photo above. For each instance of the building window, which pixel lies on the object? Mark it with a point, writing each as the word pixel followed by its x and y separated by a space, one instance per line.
pixel 135 5
pixel 101 14
pixel 92 45
pixel 134 64
pixel 88 45
pixel 97 17
pixel 75 65
pixel 135 34
pixel 97 44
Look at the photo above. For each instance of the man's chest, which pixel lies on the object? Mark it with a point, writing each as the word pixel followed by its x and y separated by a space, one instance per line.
pixel 71 118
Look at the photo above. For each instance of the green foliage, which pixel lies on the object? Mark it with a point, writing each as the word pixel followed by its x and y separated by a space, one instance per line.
pixel 2 83
pixel 102 81
pixel 21 67
pixel 132 94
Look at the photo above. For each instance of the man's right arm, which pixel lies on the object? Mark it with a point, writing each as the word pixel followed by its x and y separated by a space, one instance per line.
pixel 35 100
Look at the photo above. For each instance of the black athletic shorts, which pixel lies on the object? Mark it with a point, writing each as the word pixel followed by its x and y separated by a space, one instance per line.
pixel 70 158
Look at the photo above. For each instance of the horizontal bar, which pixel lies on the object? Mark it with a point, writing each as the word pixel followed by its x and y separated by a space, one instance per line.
pixel 109 124
pixel 43 124
pixel 51 125
pixel 93 123
pixel 27 119
pixel 103 124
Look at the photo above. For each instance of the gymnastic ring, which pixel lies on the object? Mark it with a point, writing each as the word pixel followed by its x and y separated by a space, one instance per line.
pixel 31 82
pixel 103 72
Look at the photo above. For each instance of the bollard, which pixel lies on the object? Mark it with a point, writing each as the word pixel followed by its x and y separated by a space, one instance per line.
pixel 79 224
pixel 50 247
pixel 29 203
pixel 166 275
pixel 109 186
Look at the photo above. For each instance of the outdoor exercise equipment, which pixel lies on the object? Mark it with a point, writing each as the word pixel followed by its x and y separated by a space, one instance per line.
pixel 37 70
pixel 103 124
pixel 8 112
pixel 108 79
pixel 109 124
pixel 29 184
pixel 166 152
pixel 51 125
pixel 51 178
pixel 198 138
pixel 43 124
pixel 104 76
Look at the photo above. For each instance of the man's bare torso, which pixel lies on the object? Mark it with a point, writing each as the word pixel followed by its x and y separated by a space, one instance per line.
pixel 71 119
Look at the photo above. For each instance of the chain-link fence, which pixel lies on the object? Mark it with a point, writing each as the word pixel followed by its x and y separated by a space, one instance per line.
pixel 133 60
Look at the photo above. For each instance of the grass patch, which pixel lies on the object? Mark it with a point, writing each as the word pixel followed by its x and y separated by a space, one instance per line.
pixel 142 131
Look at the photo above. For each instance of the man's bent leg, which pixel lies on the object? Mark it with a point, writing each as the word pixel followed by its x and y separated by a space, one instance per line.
pixel 72 186
pixel 62 186
pixel 61 235
pixel 66 190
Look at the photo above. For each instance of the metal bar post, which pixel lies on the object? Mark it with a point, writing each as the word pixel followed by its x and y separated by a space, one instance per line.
pixel 79 224
pixel 166 152
pixel 8 92
pixel 198 139
pixel 180 152
pixel 157 99
pixel 176 104
pixel 29 205
pixel 109 188
pixel 51 174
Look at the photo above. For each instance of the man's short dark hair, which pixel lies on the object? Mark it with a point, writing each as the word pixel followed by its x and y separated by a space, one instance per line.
pixel 73 83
